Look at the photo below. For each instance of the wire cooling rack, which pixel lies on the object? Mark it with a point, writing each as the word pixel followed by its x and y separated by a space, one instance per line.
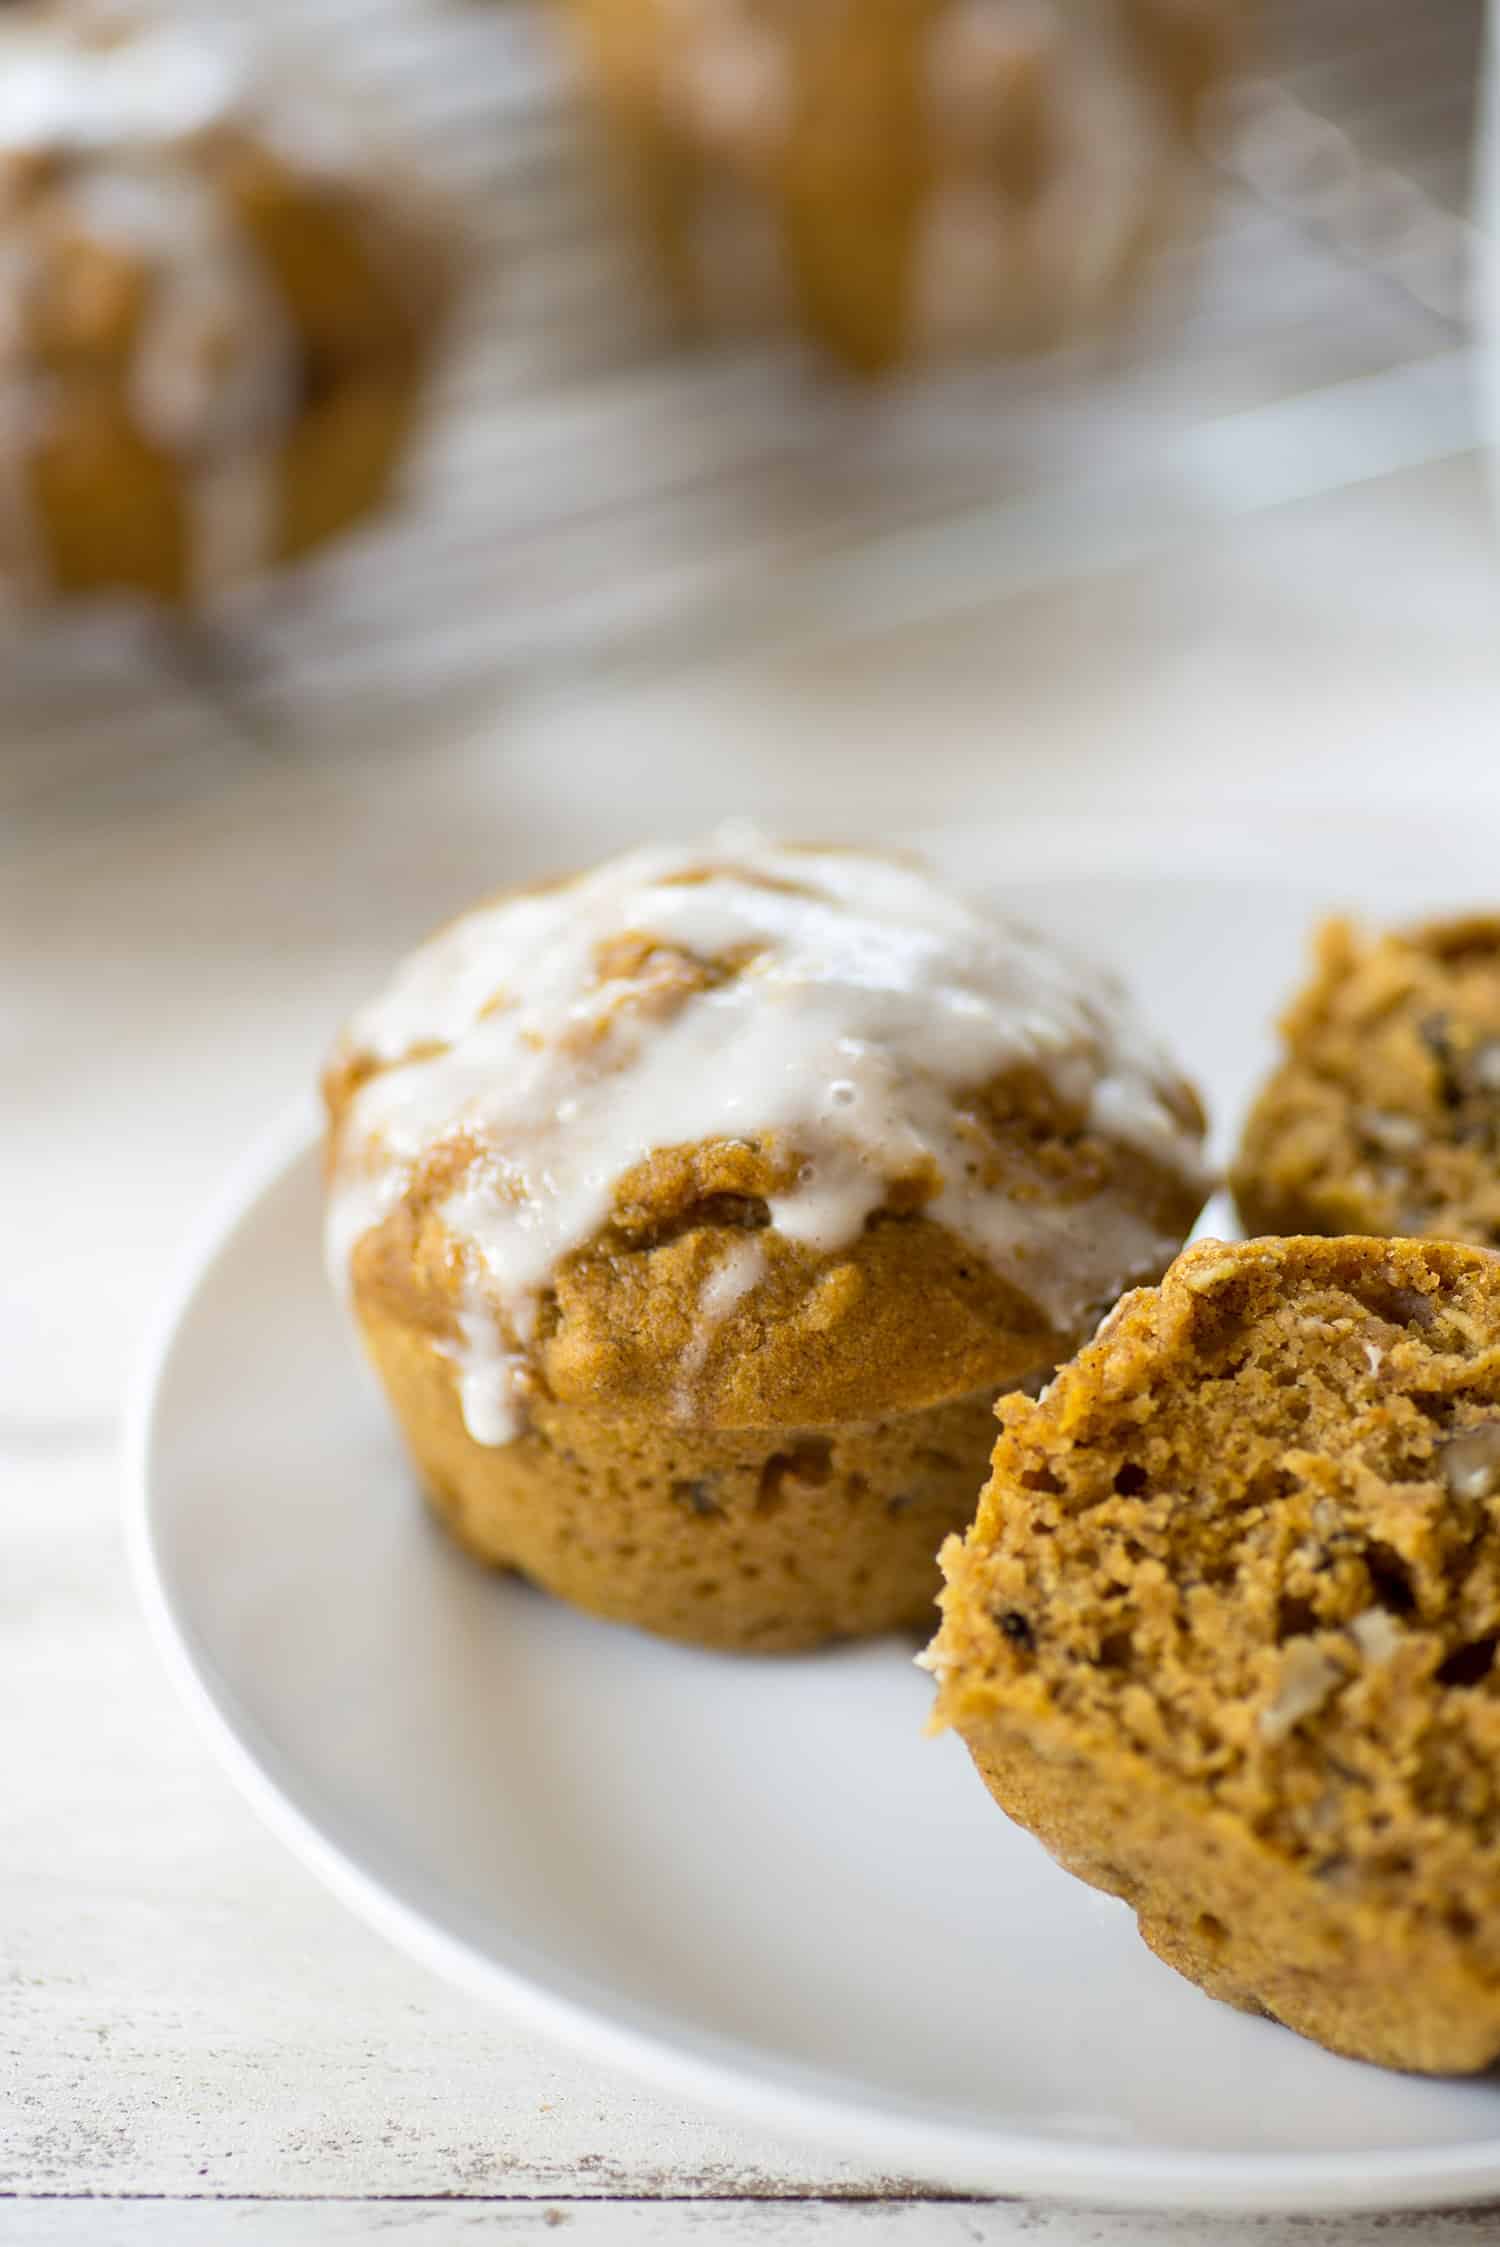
pixel 585 496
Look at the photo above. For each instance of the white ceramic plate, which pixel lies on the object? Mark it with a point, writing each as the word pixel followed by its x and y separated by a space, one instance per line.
pixel 753 1880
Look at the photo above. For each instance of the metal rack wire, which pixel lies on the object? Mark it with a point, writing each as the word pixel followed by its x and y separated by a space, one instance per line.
pixel 587 497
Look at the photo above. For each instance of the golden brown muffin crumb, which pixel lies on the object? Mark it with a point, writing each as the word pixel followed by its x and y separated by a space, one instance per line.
pixel 1224 1632
pixel 1384 1116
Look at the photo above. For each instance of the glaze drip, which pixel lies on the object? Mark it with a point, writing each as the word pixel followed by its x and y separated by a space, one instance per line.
pixel 832 1006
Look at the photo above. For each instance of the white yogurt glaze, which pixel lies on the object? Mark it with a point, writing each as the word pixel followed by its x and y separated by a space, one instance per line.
pixel 867 998
pixel 737 1276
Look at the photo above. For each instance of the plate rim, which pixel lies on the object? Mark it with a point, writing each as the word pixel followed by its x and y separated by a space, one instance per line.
pixel 718 2074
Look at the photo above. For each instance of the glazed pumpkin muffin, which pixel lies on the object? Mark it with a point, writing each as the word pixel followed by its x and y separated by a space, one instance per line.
pixel 904 177
pixel 1223 1634
pixel 694 1211
pixel 1384 1115
pixel 216 309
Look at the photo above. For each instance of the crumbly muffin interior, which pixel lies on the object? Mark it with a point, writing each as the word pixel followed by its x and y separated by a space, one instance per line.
pixel 1253 1536
pixel 1385 1114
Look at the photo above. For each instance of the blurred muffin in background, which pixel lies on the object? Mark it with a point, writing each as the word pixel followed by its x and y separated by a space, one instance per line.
pixel 905 178
pixel 217 309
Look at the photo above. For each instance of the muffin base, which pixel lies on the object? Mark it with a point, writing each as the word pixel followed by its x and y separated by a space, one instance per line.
pixel 1223 1634
pixel 111 513
pixel 1371 1983
pixel 766 1540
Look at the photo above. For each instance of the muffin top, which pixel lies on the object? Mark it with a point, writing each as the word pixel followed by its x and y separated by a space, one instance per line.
pixel 1384 1115
pixel 750 1134
pixel 196 251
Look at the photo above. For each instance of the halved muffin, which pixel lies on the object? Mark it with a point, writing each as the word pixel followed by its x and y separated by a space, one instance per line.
pixel 1383 1115
pixel 1223 1634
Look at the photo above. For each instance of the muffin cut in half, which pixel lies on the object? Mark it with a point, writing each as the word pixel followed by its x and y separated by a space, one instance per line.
pixel 217 307
pixel 693 1212
pixel 1223 1634
pixel 1384 1115
pixel 905 178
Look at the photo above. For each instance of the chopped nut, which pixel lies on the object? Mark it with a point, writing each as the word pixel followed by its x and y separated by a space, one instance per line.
pixel 1398 1306
pixel 1397 1134
pixel 1434 1031
pixel 1203 1278
pixel 791 1474
pixel 834 1298
pixel 697 1497
pixel 1470 1462
pixel 1374 1356
pixel 1376 1634
pixel 1484 1065
pixel 1308 1677
pixel 1470 1664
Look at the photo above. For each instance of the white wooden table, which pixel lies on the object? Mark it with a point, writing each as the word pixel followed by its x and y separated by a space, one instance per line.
pixel 197 2045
